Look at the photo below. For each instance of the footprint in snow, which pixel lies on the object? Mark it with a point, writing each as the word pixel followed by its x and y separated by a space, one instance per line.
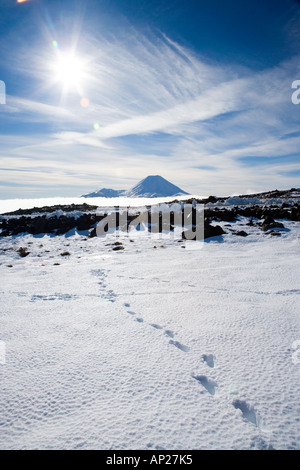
pixel 209 359
pixel 247 410
pixel 208 384
pixel 169 333
pixel 157 327
pixel 179 345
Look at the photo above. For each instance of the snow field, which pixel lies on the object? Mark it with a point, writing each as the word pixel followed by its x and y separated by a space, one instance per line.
pixel 145 348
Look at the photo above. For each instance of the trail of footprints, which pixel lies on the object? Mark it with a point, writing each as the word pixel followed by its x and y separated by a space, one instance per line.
pixel 168 333
pixel 247 411
pixel 105 293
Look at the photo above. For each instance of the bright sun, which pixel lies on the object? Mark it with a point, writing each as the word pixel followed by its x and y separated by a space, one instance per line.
pixel 69 70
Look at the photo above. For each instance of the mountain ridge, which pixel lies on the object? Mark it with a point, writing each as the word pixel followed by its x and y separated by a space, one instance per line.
pixel 151 186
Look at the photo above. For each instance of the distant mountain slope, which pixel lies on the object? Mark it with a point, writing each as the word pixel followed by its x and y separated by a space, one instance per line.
pixel 105 192
pixel 154 186
pixel 151 186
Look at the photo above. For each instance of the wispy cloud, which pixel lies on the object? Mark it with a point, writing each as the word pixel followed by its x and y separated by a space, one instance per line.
pixel 210 115
pixel 37 110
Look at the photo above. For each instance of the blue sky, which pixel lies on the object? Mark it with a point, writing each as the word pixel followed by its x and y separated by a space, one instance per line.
pixel 101 93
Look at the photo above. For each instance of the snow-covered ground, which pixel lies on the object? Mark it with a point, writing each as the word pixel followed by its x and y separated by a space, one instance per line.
pixel 151 348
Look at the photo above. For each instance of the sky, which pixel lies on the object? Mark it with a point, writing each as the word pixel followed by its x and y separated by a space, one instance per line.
pixel 102 93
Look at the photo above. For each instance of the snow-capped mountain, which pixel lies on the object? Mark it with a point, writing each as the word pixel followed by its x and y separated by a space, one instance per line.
pixel 155 186
pixel 105 192
pixel 151 186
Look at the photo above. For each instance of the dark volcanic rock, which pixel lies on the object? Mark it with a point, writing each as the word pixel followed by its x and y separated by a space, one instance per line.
pixel 5 233
pixel 274 234
pixel 86 221
pixel 48 209
pixel 65 224
pixel 268 226
pixel 37 225
pixel 221 214
pixel 209 231
pixel 212 231
pixel 241 233
pixel 295 213
pixel 212 199
pixel 23 252
pixel 268 220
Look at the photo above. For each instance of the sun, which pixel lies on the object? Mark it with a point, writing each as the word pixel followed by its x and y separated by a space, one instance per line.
pixel 69 71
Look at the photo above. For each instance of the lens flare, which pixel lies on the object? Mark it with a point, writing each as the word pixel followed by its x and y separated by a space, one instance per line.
pixel 55 44
pixel 84 102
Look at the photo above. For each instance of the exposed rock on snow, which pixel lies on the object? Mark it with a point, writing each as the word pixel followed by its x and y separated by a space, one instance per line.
pixel 241 233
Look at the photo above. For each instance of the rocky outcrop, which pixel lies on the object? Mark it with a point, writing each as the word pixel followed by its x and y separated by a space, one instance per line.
pixel 49 209
pixel 43 224
pixel 241 233
pixel 269 223
pixel 59 219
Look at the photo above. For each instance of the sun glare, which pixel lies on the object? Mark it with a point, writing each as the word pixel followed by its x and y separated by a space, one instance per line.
pixel 69 70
